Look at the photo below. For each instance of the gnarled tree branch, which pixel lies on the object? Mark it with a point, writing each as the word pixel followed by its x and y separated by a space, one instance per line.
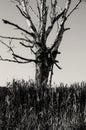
pixel 18 27
pixel 16 38
pixel 24 5
pixel 59 36
pixel 15 56
pixel 74 8
pixel 28 46
pixel 49 29
pixel 39 11
pixel 14 61
pixel 25 59
pixel 43 20
pixel 58 66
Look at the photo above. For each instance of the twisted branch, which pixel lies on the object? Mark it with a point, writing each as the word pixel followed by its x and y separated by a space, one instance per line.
pixel 18 27
pixel 16 38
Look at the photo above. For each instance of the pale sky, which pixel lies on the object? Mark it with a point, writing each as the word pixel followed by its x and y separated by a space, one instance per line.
pixel 73 48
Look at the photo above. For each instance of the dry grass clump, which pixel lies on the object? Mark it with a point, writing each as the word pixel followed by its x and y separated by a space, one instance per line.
pixel 23 107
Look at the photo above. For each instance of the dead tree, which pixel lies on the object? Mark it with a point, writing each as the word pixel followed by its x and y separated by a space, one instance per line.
pixel 48 16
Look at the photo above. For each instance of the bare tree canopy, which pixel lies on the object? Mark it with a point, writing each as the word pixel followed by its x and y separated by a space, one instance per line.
pixel 48 15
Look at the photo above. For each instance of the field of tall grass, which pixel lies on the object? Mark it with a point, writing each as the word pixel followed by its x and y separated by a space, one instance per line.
pixel 23 107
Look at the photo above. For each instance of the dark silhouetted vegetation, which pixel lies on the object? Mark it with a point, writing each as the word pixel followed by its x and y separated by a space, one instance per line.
pixel 24 107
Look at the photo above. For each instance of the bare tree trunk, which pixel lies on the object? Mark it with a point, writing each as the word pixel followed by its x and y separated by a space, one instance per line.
pixel 42 74
pixel 42 71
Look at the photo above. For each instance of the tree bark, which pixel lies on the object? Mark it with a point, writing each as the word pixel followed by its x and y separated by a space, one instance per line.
pixel 42 70
pixel 42 74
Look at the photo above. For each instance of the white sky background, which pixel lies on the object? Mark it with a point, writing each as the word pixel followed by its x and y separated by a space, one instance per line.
pixel 73 48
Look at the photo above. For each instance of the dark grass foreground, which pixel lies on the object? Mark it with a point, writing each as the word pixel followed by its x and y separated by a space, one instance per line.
pixel 22 107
